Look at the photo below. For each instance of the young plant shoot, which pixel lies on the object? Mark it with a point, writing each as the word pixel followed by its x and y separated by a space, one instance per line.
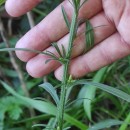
pixel 65 56
pixel 59 108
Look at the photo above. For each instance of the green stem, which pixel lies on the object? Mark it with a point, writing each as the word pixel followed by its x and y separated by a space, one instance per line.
pixel 61 109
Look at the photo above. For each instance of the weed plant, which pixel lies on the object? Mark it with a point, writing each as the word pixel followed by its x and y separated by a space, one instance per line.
pixel 61 102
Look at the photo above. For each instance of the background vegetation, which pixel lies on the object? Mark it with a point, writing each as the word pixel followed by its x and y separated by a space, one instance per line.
pixel 105 110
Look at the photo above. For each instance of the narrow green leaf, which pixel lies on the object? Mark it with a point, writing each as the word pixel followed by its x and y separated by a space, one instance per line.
pixel 51 124
pixel 78 99
pixel 67 128
pixel 57 49
pixel 64 51
pixel 70 2
pixel 51 55
pixel 21 49
pixel 106 88
pixel 91 29
pixel 76 4
pixel 65 17
pixel 83 3
pixel 29 50
pixel 50 89
pixel 81 94
pixel 39 125
pixel 48 53
pixel 43 107
pixel 106 124
pixel 49 60
pixel 73 121
pixel 89 35
pixel 32 119
pixel 89 91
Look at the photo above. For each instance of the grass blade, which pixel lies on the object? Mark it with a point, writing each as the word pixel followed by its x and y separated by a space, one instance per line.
pixel 64 51
pixel 48 53
pixel 51 55
pixel 22 49
pixel 73 121
pixel 49 60
pixel 52 122
pixel 65 17
pixel 83 3
pixel 43 107
pixel 50 89
pixel 106 124
pixel 116 92
pixel 57 49
pixel 76 4
pixel 67 128
pixel 37 104
pixel 89 35
pixel 78 99
pixel 89 91
pixel 29 50
pixel 39 125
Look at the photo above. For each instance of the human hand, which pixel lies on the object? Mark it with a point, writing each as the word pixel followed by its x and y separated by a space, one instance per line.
pixel 112 41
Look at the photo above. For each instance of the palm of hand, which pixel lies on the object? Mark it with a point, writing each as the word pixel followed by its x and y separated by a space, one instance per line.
pixel 112 42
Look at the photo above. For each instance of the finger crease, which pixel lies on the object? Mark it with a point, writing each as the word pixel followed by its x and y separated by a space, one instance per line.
pixel 105 55
pixel 126 44
pixel 86 67
pixel 111 22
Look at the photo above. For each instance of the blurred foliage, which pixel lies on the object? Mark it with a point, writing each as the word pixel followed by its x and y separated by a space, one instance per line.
pixel 14 113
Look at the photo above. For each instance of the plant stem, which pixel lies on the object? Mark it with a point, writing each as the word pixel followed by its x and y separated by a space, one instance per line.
pixel 16 66
pixel 73 31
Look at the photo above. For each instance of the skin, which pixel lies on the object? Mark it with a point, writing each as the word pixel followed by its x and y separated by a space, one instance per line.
pixel 112 42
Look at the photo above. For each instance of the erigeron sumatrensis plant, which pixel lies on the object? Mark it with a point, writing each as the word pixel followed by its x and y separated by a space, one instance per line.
pixel 64 57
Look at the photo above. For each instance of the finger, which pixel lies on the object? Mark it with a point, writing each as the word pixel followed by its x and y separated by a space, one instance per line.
pixel 110 50
pixel 79 44
pixel 19 7
pixel 118 12
pixel 53 27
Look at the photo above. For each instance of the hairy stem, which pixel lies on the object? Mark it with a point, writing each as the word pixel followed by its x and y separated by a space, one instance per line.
pixel 73 31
